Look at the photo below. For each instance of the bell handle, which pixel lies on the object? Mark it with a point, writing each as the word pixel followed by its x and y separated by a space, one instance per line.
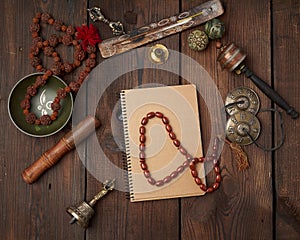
pixel 270 92
pixel 65 144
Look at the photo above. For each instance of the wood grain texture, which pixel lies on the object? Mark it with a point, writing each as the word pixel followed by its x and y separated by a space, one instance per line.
pixel 119 218
pixel 260 203
pixel 244 200
pixel 37 211
pixel 286 26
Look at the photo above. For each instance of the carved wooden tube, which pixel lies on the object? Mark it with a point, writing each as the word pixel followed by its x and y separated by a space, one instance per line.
pixel 66 144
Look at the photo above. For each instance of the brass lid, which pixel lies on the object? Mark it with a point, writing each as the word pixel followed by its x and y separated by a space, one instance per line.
pixel 158 54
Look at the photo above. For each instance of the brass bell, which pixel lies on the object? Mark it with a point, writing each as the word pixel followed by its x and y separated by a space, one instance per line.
pixel 83 212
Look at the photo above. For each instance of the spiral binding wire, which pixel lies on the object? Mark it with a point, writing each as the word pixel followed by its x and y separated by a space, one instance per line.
pixel 126 157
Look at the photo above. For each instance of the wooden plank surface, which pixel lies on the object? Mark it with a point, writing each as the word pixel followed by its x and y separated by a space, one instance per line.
pixel 120 218
pixel 286 26
pixel 229 213
pixel 262 202
pixel 35 211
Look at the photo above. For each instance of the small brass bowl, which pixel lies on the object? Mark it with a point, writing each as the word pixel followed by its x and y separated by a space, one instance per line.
pixel 158 54
pixel 40 105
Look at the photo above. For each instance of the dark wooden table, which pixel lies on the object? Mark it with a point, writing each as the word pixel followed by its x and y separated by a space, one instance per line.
pixel 262 202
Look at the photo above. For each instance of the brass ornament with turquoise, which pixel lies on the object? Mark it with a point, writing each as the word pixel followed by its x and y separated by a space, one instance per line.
pixel 198 40
pixel 215 29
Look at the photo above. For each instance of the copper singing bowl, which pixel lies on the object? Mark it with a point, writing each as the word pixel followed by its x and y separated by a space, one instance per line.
pixel 40 105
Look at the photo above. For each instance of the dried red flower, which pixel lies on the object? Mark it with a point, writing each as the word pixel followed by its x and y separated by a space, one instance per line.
pixel 88 36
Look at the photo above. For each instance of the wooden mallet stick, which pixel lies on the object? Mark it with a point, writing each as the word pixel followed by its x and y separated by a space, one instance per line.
pixel 65 145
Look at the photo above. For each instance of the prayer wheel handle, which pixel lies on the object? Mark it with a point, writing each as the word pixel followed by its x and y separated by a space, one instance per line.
pixel 231 58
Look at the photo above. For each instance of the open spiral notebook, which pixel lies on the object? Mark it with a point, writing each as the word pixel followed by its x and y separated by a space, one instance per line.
pixel 179 104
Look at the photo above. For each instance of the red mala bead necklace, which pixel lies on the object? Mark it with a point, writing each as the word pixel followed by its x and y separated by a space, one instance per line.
pixel 190 161
pixel 84 50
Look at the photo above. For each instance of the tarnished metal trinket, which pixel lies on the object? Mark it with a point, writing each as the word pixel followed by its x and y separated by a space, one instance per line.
pixel 158 54
pixel 215 28
pixel 96 15
pixel 242 99
pixel 231 57
pixel 198 40
pixel 243 128
pixel 83 212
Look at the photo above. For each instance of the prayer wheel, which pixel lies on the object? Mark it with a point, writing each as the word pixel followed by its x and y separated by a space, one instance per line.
pixel 231 57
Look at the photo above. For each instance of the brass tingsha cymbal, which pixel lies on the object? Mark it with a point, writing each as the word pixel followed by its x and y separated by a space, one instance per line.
pixel 243 128
pixel 242 99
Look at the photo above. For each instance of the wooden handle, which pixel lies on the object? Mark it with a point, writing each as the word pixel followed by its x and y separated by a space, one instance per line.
pixel 54 154
pixel 271 93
